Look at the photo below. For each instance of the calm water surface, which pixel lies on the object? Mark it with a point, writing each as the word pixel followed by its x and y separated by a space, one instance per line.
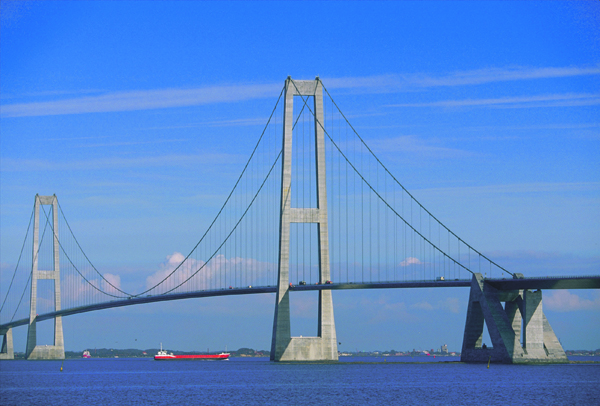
pixel 256 381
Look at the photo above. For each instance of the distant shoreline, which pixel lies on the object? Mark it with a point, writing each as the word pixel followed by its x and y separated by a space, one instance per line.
pixel 355 358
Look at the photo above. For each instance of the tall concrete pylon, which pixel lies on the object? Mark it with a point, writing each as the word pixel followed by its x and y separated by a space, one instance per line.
pixel 34 351
pixel 284 347
pixel 7 350
pixel 519 331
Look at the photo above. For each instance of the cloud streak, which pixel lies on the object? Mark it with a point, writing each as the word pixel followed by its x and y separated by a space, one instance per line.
pixel 517 188
pixel 410 261
pixel 20 165
pixel 565 301
pixel 406 82
pixel 141 100
pixel 172 98
pixel 554 100
pixel 195 274
pixel 450 304
pixel 481 76
pixel 414 146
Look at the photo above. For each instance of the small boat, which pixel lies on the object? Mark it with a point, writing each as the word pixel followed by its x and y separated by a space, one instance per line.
pixel 165 356
pixel 86 354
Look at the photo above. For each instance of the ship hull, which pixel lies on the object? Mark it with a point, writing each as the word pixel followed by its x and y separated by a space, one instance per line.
pixel 216 357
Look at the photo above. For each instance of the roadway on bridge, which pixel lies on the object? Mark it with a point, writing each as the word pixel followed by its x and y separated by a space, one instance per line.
pixel 559 282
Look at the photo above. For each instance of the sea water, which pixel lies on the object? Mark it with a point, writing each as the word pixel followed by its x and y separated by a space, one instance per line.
pixel 256 381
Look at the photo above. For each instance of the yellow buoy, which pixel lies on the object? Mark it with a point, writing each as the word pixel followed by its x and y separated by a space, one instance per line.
pixel 489 361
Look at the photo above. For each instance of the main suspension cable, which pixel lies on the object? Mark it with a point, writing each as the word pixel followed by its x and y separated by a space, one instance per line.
pixel 86 257
pixel 371 187
pixel 224 204
pixel 19 260
pixel 403 188
pixel 74 266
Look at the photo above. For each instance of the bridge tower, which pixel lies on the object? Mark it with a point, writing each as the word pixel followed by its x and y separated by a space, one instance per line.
pixel 6 351
pixel 284 347
pixel 56 351
pixel 520 332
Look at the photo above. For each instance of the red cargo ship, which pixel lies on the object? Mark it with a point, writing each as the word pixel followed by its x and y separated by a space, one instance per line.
pixel 165 356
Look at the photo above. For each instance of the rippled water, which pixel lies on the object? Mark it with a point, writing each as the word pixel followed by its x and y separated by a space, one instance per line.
pixel 251 381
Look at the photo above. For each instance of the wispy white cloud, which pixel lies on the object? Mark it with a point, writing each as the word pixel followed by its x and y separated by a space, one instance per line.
pixel 77 138
pixel 553 126
pixel 518 188
pixel 184 272
pixel 565 301
pixel 52 93
pixel 422 306
pixel 201 275
pixel 123 143
pixel 414 146
pixel 490 75
pixel 239 122
pixel 410 261
pixel 451 304
pixel 382 310
pixel 554 100
pixel 544 263
pixel 242 122
pixel 19 165
pixel 406 82
pixel 141 100
pixel 525 255
pixel 82 290
pixel 169 98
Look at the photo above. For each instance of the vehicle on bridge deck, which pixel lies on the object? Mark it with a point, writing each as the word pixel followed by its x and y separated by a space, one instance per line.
pixel 165 356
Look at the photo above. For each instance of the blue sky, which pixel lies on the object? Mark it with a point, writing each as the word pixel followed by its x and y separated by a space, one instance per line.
pixel 141 115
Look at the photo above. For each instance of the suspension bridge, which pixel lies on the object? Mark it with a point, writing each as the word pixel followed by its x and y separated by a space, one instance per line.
pixel 313 209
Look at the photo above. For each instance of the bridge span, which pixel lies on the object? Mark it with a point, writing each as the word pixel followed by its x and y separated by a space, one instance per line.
pixel 549 282
pixel 338 214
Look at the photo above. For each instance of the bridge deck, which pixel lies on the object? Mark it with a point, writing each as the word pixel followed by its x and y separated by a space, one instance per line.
pixel 551 282
pixel 576 282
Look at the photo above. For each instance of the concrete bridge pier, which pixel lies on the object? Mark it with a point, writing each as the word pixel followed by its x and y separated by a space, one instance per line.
pixel 519 331
pixel 7 350
pixel 34 351
pixel 284 347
